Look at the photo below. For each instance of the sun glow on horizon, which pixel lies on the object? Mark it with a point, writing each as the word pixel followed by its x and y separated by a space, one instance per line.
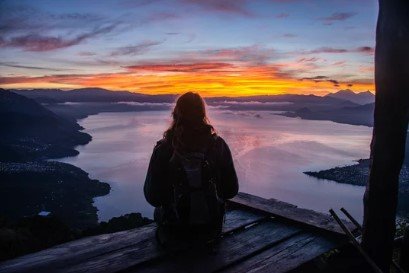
pixel 239 82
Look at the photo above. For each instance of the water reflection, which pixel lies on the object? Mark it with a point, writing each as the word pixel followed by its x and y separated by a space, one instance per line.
pixel 270 152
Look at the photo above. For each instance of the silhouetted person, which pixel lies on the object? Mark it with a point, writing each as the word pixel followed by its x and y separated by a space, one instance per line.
pixel 190 175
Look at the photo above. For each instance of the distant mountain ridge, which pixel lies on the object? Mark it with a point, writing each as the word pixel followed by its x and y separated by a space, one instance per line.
pixel 95 94
pixel 104 95
pixel 96 100
pixel 359 98
pixel 89 95
pixel 343 106
pixel 30 131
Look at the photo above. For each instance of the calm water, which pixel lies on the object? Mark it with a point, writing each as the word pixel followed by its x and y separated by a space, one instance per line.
pixel 270 154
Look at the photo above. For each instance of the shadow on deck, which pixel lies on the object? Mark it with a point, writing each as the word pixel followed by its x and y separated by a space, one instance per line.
pixel 259 235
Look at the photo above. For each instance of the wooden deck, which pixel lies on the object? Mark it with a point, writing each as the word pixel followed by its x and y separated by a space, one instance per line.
pixel 259 235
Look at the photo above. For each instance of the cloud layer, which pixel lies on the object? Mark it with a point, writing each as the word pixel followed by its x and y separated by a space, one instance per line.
pixel 37 42
pixel 221 48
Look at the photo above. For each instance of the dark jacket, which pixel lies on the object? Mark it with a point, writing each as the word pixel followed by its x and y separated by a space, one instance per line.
pixel 158 187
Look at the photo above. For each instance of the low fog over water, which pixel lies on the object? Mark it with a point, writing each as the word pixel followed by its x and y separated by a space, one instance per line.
pixel 271 153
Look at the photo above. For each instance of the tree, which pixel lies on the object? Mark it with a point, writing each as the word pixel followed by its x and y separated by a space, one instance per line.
pixel 390 129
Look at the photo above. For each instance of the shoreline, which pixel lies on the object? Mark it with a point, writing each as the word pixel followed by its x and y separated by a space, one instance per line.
pixel 358 174
pixel 306 114
pixel 61 189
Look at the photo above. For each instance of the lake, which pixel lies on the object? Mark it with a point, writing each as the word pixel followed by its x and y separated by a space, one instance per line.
pixel 270 153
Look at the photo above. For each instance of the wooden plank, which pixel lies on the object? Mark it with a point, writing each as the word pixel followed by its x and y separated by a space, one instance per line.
pixel 115 261
pixel 148 250
pixel 290 213
pixel 75 251
pixel 286 256
pixel 71 253
pixel 232 249
pixel 240 218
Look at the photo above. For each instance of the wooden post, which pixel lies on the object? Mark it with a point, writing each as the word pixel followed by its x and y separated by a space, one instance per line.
pixel 390 129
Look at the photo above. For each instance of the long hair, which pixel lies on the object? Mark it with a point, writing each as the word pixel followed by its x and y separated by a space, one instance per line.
pixel 190 129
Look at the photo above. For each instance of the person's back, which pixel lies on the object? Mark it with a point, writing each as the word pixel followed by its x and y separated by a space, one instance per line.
pixel 190 175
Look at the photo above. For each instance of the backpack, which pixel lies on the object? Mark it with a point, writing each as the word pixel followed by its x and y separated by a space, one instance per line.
pixel 196 205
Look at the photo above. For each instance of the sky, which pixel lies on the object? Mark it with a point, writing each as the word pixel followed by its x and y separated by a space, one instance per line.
pixel 215 47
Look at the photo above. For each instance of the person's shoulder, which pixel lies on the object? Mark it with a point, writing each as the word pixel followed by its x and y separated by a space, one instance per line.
pixel 219 142
pixel 220 150
pixel 218 139
pixel 162 145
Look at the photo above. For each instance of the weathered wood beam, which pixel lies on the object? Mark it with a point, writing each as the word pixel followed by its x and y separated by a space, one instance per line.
pixel 390 129
pixel 288 255
pixel 233 249
pixel 291 213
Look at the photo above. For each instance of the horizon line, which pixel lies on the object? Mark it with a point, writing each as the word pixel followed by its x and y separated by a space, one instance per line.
pixel 180 93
